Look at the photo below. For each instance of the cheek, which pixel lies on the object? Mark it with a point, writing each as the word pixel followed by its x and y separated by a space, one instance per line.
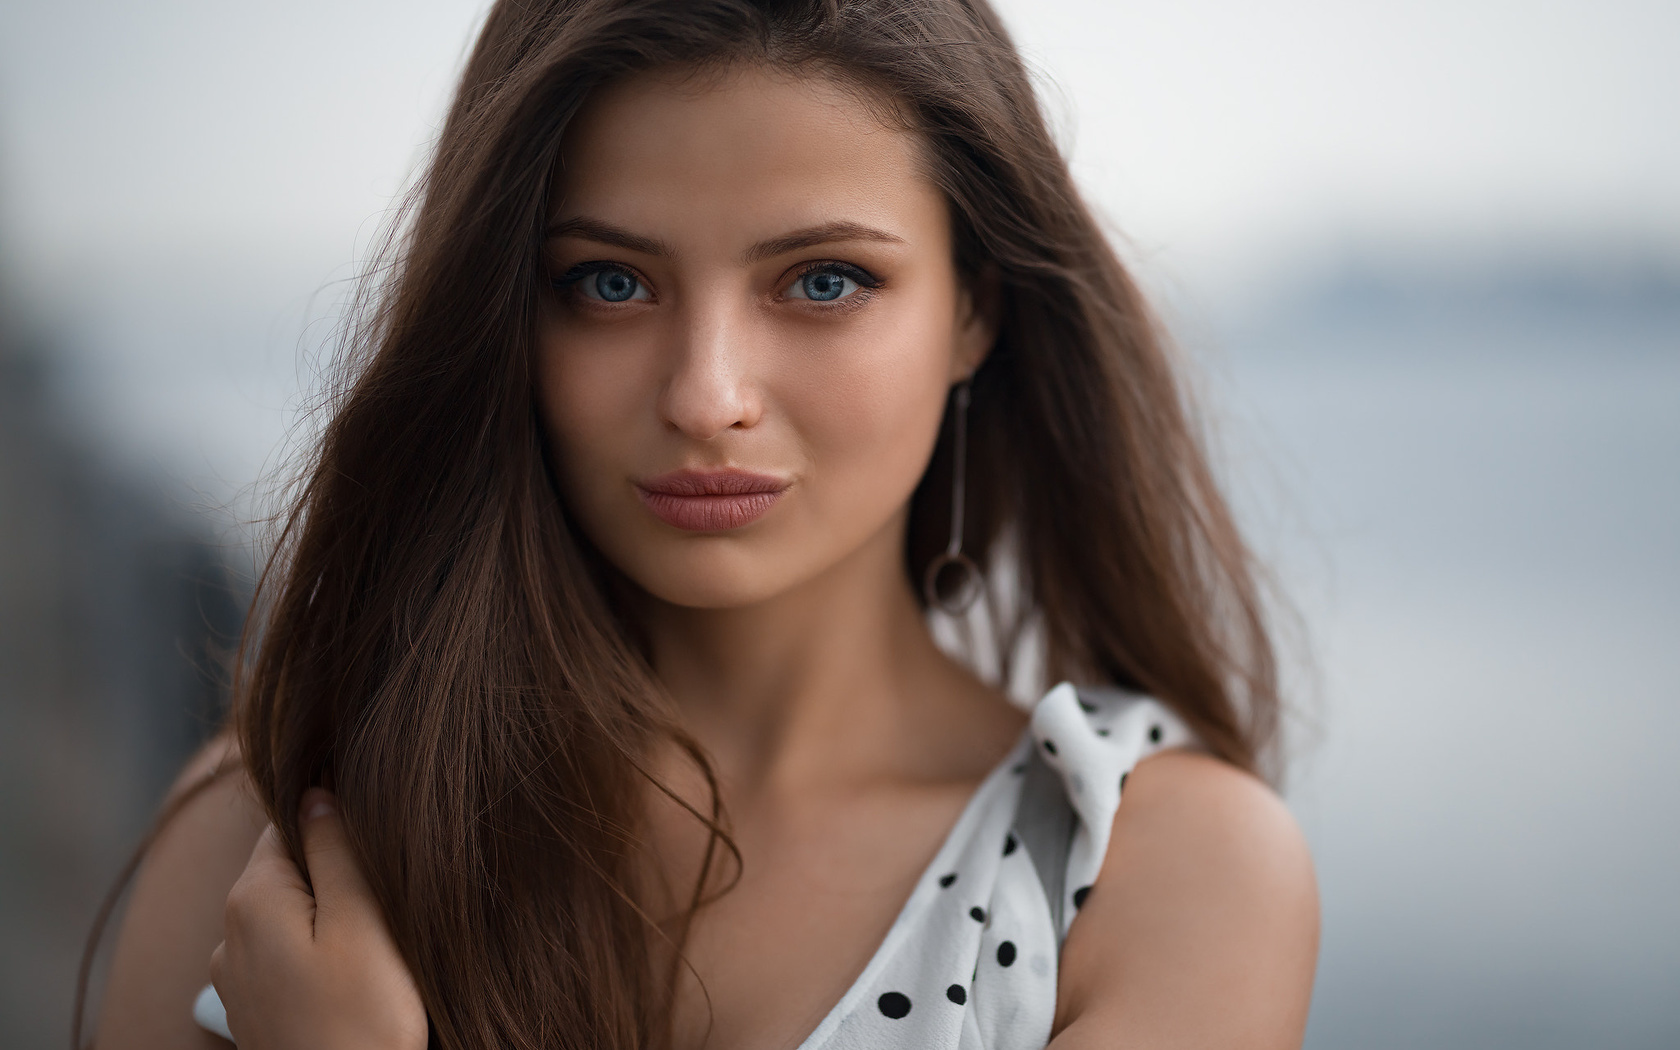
pixel 589 393
pixel 870 414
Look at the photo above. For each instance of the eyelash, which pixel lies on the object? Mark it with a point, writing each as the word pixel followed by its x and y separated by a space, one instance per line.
pixel 565 281
pixel 867 282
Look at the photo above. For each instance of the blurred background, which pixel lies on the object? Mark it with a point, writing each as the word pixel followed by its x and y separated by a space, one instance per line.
pixel 1426 256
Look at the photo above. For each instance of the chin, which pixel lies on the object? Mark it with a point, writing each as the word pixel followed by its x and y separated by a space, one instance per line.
pixel 722 571
pixel 710 578
pixel 703 590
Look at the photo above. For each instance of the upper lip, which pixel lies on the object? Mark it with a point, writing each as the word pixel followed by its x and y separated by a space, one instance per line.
pixel 727 482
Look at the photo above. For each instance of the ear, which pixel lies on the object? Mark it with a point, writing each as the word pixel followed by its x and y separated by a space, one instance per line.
pixel 979 303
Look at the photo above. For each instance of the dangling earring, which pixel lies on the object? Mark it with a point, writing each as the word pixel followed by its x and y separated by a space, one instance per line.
pixel 952 566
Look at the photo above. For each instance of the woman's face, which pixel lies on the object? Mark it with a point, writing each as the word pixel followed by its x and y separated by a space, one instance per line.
pixel 754 322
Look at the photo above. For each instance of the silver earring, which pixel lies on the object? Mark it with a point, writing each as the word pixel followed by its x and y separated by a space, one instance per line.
pixel 953 569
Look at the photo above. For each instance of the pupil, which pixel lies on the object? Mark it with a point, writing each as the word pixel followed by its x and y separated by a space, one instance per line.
pixel 824 285
pixel 615 286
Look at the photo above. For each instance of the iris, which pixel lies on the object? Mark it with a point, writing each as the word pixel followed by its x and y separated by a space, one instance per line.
pixel 615 286
pixel 823 286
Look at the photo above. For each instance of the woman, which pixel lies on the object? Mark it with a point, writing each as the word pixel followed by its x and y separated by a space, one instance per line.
pixel 728 336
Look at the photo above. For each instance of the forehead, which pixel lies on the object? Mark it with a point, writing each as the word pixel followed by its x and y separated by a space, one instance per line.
pixel 754 149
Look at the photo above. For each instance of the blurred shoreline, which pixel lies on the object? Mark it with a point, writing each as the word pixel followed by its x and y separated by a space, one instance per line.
pixel 117 613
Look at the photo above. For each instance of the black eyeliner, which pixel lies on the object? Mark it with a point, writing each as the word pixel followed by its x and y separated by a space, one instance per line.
pixel 584 269
pixel 863 277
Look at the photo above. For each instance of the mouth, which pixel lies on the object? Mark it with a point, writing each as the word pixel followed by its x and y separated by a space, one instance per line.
pixel 710 500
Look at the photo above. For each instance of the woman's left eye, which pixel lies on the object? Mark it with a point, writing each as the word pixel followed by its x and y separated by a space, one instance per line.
pixel 824 285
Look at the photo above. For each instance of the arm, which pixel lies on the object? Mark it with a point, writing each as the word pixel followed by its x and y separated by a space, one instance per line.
pixel 174 917
pixel 1202 930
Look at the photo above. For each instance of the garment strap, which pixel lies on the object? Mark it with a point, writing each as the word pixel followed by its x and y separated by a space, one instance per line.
pixel 1045 823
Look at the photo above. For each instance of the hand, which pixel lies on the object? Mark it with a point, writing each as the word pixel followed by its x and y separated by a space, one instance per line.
pixel 302 971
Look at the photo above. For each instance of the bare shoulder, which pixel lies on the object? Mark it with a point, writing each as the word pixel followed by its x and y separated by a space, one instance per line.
pixel 174 916
pixel 1202 929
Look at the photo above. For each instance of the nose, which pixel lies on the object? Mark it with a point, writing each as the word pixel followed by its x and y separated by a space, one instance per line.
pixel 709 389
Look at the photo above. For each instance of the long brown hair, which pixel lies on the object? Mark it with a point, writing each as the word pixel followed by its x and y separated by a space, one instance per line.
pixel 437 641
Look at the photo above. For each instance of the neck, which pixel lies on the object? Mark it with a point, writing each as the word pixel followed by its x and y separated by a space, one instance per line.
pixel 821 682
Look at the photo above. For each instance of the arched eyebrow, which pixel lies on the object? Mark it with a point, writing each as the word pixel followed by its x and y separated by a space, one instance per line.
pixel 602 232
pixel 606 233
pixel 812 236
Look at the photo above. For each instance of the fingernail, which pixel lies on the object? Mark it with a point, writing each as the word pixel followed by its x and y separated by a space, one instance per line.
pixel 316 803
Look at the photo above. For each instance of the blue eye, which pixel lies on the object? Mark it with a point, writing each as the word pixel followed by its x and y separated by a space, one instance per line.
pixel 608 284
pixel 829 283
pixel 824 286
pixel 615 286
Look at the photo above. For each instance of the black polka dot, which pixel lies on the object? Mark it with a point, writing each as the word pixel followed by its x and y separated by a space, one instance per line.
pixel 1006 953
pixel 1102 732
pixel 1123 777
pixel 1050 746
pixel 1009 844
pixel 1018 768
pixel 894 1004
pixel 977 913
pixel 1079 896
pixel 1087 707
pixel 946 880
pixel 957 994
pixel 1154 734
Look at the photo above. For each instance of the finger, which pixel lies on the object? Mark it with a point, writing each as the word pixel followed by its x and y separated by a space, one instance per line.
pixel 271 865
pixel 342 894
pixel 270 886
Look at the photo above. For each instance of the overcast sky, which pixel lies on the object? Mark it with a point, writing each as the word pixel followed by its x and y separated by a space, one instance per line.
pixel 183 181
pixel 1202 126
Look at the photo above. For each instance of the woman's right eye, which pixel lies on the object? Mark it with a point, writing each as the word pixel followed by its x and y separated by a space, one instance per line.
pixel 606 284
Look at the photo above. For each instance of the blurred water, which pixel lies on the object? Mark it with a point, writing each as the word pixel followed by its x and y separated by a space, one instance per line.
pixel 1470 487
pixel 1468 483
pixel 1486 548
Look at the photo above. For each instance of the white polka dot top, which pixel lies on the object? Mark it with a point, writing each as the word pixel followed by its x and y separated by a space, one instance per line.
pixel 970 962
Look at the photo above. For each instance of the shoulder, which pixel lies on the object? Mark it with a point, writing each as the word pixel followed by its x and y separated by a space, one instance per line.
pixel 1203 818
pixel 174 917
pixel 1202 927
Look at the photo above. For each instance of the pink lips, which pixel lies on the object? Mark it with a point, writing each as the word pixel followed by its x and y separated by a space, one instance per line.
pixel 710 500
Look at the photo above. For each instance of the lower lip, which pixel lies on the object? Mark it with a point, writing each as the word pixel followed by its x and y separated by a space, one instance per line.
pixel 718 513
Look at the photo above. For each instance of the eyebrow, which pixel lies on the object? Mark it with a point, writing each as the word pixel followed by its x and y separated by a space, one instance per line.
pixel 603 232
pixel 606 233
pixel 812 236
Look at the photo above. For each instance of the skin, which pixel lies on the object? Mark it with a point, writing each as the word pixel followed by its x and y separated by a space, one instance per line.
pixel 845 741
pixel 175 917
